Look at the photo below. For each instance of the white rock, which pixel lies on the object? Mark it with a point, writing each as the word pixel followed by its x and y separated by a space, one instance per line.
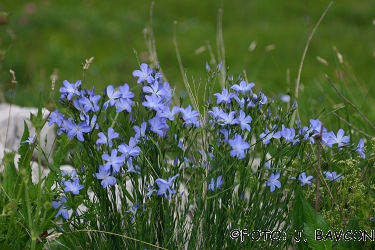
pixel 11 135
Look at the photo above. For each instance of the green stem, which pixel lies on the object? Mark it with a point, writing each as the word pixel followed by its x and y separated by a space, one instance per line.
pixel 114 121
pixel 34 231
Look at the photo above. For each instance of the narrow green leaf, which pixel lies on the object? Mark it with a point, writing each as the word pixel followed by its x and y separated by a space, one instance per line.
pixel 10 176
pixel 26 153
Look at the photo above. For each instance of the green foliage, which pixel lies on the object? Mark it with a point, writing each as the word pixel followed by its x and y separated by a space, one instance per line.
pixel 26 211
pixel 201 214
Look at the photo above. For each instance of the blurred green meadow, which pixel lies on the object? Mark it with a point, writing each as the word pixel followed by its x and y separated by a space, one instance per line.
pixel 264 41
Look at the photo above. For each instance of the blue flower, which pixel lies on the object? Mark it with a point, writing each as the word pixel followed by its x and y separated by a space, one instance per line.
pixel 66 175
pixel 284 98
pixel 361 149
pixel 273 181
pixel 304 180
pixel 125 93
pixel 112 96
pixel 219 66
pixel 140 132
pixel 215 112
pixel 63 210
pixel 122 105
pixel 340 139
pixel 124 102
pixel 90 103
pixel 144 74
pixel 153 102
pixel 31 140
pixel 154 89
pixel 167 94
pixel 243 87
pixel 70 89
pixel 165 186
pixel 80 107
pixel 238 147
pixel 244 121
pixel 268 135
pixel 158 126
pixel 224 96
pixel 289 134
pixel 133 210
pixel 107 140
pixel 165 112
pixel 73 187
pixel 73 129
pixel 107 179
pixel 240 102
pixel 208 68
pixel 219 183
pixel 190 116
pixel 131 150
pixel 113 161
pixel 131 168
pixel 316 126
pixel 56 117
pixel 227 119
pixel 333 176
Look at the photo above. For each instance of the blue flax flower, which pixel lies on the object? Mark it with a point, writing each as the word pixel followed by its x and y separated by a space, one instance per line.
pixel 107 179
pixel 165 112
pixel 268 135
pixel 125 93
pixel 112 96
pixel 31 140
pixel 107 140
pixel 219 183
pixel 289 134
pixel 208 68
pixel 131 168
pixel 333 176
pixel 90 103
pixel 153 102
pixel 244 121
pixel 167 93
pixel 73 187
pixel 227 119
pixel 113 161
pixel 361 149
pixel 131 150
pixel 122 105
pixel 238 147
pixel 304 180
pixel 243 87
pixel 190 116
pixel 56 117
pixel 340 139
pixel 215 112
pixel 140 132
pixel 73 129
pixel 273 181
pixel 70 89
pixel 144 74
pixel 224 96
pixel 158 126
pixel 154 89
pixel 165 186
pixel 133 210
pixel 63 209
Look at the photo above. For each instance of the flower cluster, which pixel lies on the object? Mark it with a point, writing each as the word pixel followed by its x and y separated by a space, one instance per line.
pixel 230 121
pixel 71 184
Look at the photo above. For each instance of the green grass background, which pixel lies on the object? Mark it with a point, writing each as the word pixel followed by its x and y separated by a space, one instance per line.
pixel 44 35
